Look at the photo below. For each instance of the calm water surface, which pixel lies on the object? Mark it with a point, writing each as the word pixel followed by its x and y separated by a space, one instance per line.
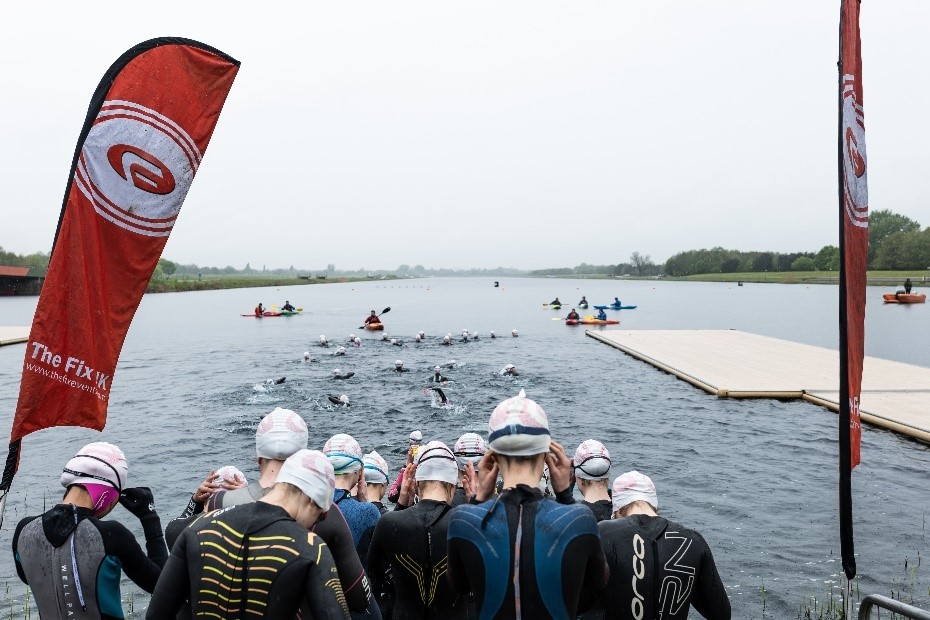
pixel 757 478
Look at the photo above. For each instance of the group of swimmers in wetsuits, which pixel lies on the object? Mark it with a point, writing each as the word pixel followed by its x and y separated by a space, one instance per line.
pixel 487 528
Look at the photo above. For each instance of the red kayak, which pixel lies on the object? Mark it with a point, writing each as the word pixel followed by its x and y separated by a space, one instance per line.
pixel 587 321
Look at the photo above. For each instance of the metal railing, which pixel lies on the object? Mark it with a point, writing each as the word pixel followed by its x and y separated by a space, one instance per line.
pixel 897 607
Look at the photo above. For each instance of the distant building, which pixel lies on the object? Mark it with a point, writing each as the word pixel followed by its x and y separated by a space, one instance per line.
pixel 17 281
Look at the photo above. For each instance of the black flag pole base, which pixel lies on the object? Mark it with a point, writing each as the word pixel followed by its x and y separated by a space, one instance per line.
pixel 9 470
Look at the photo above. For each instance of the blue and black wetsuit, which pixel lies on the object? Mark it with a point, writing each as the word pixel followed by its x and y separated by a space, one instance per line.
pixel 72 561
pixel 410 546
pixel 657 568
pixel 251 560
pixel 526 556
pixel 362 518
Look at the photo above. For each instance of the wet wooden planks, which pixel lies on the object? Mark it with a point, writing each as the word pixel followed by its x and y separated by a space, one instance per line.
pixel 13 334
pixel 735 364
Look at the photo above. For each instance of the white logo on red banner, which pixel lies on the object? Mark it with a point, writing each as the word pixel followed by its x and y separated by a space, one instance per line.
pixel 854 160
pixel 136 166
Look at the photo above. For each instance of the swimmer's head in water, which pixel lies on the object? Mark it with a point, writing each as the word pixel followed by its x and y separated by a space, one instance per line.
pixel 417 338
pixel 337 372
pixel 519 427
pixel 306 356
pixel 414 437
pixel 436 368
pixel 341 351
pixel 398 364
pixel 322 338
pixel 280 434
pixel 393 340
pixel 344 399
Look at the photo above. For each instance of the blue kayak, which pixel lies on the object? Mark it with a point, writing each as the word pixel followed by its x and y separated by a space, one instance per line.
pixel 613 307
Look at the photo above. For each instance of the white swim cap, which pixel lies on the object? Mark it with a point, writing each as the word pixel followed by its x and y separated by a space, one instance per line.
pixel 357 340
pixel 95 463
pixel 469 448
pixel 306 355
pixel 280 434
pixel 514 333
pixel 337 371
pixel 591 461
pixel 351 336
pixel 415 437
pixel 376 468
pixel 519 427
pixel 312 473
pixel 322 338
pixel 343 451
pixel 393 340
pixel 435 461
pixel 421 334
pixel 437 368
pixel 230 473
pixel 341 350
pixel 633 486
pixel 398 363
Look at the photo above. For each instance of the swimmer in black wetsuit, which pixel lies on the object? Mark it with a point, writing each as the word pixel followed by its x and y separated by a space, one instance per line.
pixel 591 465
pixel 411 542
pixel 468 450
pixel 437 376
pixel 68 555
pixel 657 566
pixel 442 395
pixel 513 583
pixel 280 434
pixel 295 574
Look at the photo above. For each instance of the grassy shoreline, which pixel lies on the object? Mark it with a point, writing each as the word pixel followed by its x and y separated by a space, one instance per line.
pixel 875 278
pixel 213 283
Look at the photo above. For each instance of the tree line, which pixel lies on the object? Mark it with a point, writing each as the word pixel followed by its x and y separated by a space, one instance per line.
pixel 896 243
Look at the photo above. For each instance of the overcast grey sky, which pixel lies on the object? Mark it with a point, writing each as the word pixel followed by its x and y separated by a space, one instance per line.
pixel 484 134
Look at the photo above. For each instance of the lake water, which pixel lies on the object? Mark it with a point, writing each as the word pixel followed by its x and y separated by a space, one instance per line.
pixel 757 478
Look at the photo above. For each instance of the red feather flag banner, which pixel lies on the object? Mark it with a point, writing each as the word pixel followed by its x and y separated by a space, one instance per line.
pixel 854 251
pixel 147 127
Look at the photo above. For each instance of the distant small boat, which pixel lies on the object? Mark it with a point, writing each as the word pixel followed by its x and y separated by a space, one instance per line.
pixel 904 298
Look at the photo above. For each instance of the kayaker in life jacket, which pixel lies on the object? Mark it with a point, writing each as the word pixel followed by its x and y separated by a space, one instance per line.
pixel 287 307
pixel 584 301
pixel 372 318
pixel 555 302
pixel 259 310
pixel 572 316
pixel 617 303
pixel 601 315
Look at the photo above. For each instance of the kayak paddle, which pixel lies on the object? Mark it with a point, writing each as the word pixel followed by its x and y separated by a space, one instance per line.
pixel 385 311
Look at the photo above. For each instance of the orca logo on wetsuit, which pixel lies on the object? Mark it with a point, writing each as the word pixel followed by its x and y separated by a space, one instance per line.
pixel 639 572
pixel 135 167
